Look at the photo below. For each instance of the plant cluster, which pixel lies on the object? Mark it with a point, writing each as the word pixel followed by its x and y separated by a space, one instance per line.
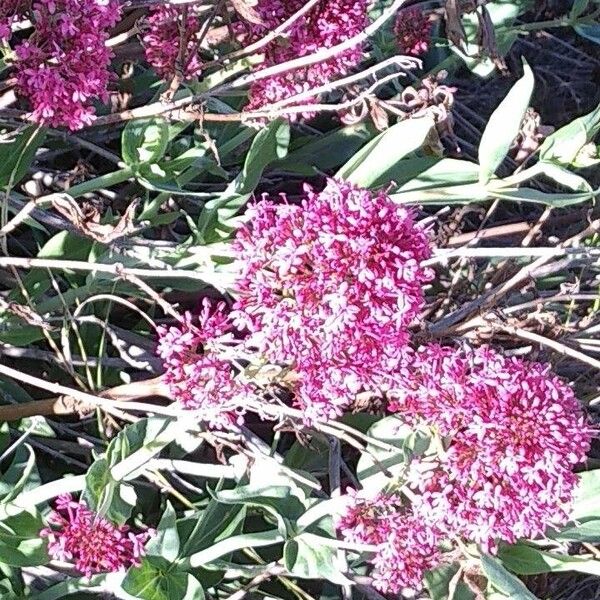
pixel 64 65
pixel 329 289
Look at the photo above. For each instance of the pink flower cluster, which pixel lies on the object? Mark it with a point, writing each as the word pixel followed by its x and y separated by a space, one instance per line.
pixel 515 433
pixel 328 24
pixel 405 545
pixel 162 41
pixel 95 545
pixel 10 11
pixel 512 433
pixel 331 286
pixel 413 31
pixel 63 66
pixel 197 376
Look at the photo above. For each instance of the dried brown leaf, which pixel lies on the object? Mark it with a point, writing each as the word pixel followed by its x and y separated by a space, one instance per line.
pixel 246 9
pixel 25 314
pixel 455 31
pixel 487 38
pixel 89 225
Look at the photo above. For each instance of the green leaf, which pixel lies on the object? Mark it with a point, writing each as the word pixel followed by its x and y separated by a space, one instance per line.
pixel 504 581
pixel 269 145
pixel 438 584
pixel 431 173
pixel 17 153
pixel 397 434
pixel 217 522
pixel 279 500
pixel 145 439
pixel 585 504
pixel 125 458
pixel 20 541
pixel 156 579
pixel 565 177
pixel 564 145
pixel 327 151
pixel 144 141
pixel 70 586
pixel 578 8
pixel 21 335
pixel 64 244
pixel 526 560
pixel 504 125
pixel 309 456
pixel 321 512
pixel 166 541
pixel 557 200
pixel 22 474
pixel 107 496
pixel 307 557
pixel 583 531
pixel 232 544
pixel 590 31
pixel 377 162
pixel 11 583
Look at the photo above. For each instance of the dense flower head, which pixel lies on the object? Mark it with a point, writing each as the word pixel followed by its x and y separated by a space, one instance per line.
pixel 328 24
pixel 95 545
pixel 513 431
pixel 162 40
pixel 413 31
pixel 10 11
pixel 406 545
pixel 197 374
pixel 331 287
pixel 63 66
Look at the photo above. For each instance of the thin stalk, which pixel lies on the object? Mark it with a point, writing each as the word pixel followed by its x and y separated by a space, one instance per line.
pixel 99 183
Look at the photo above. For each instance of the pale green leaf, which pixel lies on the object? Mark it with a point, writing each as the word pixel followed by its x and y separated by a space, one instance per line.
pixel 376 162
pixel 564 145
pixel 504 125
pixel 503 581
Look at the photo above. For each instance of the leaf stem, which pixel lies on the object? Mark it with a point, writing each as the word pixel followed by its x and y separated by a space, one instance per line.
pixel 98 183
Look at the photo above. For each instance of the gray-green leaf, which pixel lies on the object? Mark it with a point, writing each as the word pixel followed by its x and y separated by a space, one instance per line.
pixel 504 125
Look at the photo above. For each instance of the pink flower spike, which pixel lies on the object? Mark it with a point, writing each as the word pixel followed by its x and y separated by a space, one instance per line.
pixel 95 545
pixel 413 31
pixel 63 66
pixel 10 12
pixel 332 287
pixel 198 376
pixel 407 545
pixel 513 431
pixel 162 41
pixel 327 25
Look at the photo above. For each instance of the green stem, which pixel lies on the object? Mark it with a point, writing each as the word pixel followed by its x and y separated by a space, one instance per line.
pixel 104 181
pixel 552 24
pixel 237 542
pixel 42 494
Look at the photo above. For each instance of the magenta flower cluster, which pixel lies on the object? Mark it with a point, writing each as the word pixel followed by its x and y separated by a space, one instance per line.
pixel 78 535
pixel 163 37
pixel 331 286
pixel 63 67
pixel 405 545
pixel 512 433
pixel 10 11
pixel 328 24
pixel 516 433
pixel 412 29
pixel 197 375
